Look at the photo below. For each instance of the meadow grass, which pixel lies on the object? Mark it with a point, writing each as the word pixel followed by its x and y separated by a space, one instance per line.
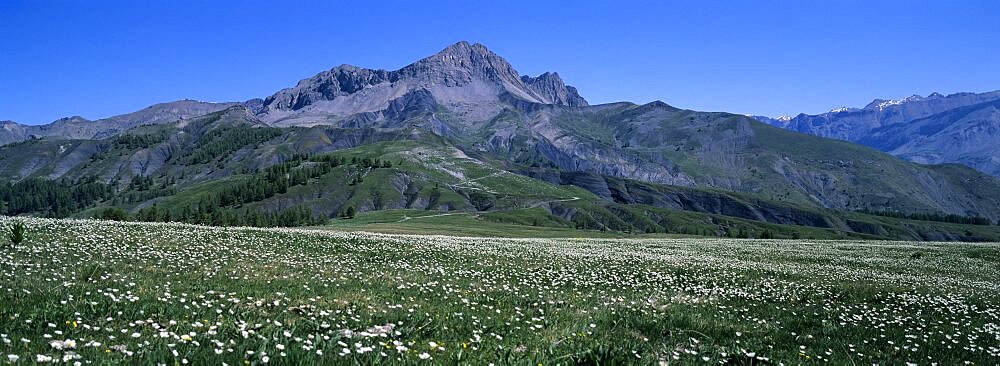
pixel 466 224
pixel 99 292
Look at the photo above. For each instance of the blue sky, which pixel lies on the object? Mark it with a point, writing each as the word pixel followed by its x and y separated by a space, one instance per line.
pixel 101 58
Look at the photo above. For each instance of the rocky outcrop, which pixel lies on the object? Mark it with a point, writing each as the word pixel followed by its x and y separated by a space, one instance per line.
pixel 550 86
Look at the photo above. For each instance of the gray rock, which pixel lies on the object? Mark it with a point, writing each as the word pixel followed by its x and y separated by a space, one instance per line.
pixel 463 76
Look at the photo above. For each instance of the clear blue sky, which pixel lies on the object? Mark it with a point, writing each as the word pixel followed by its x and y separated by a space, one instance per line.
pixel 101 58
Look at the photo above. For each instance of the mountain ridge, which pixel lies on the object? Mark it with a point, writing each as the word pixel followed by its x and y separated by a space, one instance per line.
pixel 970 143
pixel 76 127
pixel 473 104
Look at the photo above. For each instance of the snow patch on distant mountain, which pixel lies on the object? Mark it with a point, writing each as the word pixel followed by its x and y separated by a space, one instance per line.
pixel 835 110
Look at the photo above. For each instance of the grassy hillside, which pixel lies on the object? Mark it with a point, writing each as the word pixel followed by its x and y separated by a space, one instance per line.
pixel 146 293
pixel 498 224
pixel 599 219
pixel 466 196
pixel 661 144
pixel 411 175
pixel 226 168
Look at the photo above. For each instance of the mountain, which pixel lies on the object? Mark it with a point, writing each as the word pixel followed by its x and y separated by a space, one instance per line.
pixel 968 135
pixel 957 128
pixel 463 131
pixel 465 78
pixel 80 128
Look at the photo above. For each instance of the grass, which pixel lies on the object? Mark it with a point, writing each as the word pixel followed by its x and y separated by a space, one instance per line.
pixel 136 293
pixel 632 219
pixel 467 224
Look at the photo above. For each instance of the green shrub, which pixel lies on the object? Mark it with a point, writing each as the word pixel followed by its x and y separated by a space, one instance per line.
pixel 113 213
pixel 349 213
pixel 16 234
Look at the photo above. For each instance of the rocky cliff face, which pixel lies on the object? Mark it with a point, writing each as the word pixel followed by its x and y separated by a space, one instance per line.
pixel 935 129
pixel 464 77
pixel 968 135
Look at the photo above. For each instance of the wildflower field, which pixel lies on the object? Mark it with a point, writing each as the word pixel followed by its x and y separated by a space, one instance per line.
pixel 93 292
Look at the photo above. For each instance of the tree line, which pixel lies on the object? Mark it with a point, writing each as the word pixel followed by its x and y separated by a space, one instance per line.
pixel 130 142
pixel 52 198
pixel 218 216
pixel 952 218
pixel 222 207
pixel 224 140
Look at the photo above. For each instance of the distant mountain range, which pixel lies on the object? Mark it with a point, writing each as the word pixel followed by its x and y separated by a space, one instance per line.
pixel 961 128
pixel 466 132
pixel 77 127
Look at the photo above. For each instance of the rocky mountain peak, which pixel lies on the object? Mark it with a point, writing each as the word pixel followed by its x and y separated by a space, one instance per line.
pixel 551 86
pixel 71 119
pixel 461 63
pixel 465 55
pixel 880 104
pixel 464 50
pixel 461 74
pixel 938 99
